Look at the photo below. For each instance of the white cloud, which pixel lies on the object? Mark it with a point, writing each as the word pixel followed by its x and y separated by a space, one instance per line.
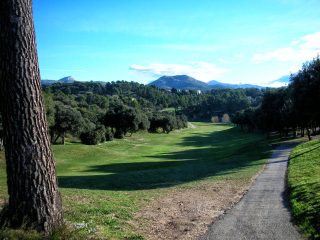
pixel 306 48
pixel 200 70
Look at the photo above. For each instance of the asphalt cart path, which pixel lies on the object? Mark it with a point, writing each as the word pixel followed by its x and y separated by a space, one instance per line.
pixel 263 212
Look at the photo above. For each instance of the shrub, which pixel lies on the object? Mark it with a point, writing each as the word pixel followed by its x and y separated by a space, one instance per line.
pixel 90 138
pixel 93 137
pixel 109 134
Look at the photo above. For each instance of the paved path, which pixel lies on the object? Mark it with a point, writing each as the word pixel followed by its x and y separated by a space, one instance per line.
pixel 263 212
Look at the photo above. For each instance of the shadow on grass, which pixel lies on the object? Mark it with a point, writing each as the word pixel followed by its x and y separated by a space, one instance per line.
pixel 212 154
pixel 308 151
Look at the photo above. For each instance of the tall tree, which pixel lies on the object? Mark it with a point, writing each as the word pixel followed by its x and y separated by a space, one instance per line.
pixel 34 200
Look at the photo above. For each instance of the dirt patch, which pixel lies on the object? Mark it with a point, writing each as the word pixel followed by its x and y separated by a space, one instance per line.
pixel 185 213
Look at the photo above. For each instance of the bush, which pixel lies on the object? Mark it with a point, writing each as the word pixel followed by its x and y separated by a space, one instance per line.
pixel 109 134
pixel 94 137
pixel 90 138
pixel 167 122
pixel 119 133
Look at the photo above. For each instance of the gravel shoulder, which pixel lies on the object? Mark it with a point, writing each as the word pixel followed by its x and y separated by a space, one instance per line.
pixel 263 213
pixel 186 213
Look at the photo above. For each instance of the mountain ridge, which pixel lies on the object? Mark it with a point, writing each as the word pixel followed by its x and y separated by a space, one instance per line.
pixel 67 80
pixel 179 82
pixel 185 82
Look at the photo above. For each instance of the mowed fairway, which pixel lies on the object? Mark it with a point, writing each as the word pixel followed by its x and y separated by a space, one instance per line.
pixel 104 186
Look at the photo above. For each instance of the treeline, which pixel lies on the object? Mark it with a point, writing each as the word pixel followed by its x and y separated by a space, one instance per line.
pixel 218 102
pixel 288 109
pixel 95 112
pixel 191 103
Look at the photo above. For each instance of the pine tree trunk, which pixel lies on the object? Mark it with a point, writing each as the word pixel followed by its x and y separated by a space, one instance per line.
pixel 34 200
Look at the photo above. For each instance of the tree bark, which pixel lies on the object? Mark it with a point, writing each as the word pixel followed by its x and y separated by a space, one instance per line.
pixel 34 200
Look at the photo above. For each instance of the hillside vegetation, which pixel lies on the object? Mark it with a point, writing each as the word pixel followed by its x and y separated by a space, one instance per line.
pixel 304 185
pixel 103 186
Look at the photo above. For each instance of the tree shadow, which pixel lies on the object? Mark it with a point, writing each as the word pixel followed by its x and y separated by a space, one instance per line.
pixel 307 151
pixel 213 154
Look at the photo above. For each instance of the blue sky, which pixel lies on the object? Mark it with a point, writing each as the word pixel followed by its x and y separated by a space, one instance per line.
pixel 233 41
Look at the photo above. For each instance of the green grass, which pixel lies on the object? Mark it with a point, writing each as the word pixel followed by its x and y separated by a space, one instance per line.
pixel 304 185
pixel 104 186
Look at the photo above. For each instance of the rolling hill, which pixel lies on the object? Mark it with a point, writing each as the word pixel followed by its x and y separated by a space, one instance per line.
pixel 179 82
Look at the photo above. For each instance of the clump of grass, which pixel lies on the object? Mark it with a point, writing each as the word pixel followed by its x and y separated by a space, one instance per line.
pixel 19 234
pixel 64 232
pixel 304 185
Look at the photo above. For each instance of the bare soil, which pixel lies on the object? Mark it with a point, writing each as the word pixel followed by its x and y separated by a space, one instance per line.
pixel 185 213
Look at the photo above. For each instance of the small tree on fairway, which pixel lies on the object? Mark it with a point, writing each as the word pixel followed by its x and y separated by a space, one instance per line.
pixel 124 119
pixel 67 119
pixel 34 200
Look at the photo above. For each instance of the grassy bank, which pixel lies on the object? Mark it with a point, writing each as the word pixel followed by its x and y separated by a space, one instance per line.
pixel 104 186
pixel 304 184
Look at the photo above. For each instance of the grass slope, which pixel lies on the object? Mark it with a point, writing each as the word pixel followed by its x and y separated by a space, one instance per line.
pixel 304 184
pixel 104 186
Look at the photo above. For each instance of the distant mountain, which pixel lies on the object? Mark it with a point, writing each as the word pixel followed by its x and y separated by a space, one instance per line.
pixel 185 82
pixel 67 80
pixel 215 84
pixel 180 82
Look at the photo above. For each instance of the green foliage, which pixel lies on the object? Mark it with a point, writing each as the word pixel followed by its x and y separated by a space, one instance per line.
pixel 62 233
pixel 289 108
pixel 90 138
pixel 67 119
pixel 304 186
pixel 127 107
pixel 20 234
pixel 219 102
pixel 93 137
pixel 164 121
pixel 50 108
pixel 109 134
pixel 123 119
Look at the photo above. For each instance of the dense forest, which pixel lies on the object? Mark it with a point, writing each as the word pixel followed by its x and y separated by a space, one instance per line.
pixel 288 109
pixel 96 112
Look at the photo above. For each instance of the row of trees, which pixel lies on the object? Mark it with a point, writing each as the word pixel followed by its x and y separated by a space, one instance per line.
pixel 195 106
pixel 288 109
pixel 224 101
